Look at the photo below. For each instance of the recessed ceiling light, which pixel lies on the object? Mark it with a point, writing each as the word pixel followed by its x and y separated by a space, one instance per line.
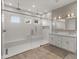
pixel 33 6
pixel 10 4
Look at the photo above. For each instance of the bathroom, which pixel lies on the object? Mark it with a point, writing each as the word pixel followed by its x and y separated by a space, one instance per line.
pixel 39 29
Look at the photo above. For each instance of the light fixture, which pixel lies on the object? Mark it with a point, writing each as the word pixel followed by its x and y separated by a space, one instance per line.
pixel 72 14
pixel 68 15
pixel 59 17
pixel 33 6
pixel 10 4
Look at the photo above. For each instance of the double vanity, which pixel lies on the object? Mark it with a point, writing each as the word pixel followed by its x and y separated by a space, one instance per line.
pixel 64 40
pixel 63 34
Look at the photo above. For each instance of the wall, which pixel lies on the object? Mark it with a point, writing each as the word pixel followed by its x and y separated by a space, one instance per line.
pixel 20 37
pixel 65 10
pixel 60 36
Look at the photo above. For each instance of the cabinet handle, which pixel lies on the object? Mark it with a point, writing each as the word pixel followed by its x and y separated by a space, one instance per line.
pixel 6 51
pixel 4 30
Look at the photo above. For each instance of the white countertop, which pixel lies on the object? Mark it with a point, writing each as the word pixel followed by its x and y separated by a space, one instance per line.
pixel 65 34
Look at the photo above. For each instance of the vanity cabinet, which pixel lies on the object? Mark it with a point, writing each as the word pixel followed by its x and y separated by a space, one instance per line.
pixel 56 41
pixel 63 41
pixel 63 34
pixel 72 44
pixel 53 41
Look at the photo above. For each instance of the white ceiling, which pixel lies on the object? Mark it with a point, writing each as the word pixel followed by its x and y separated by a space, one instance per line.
pixel 41 5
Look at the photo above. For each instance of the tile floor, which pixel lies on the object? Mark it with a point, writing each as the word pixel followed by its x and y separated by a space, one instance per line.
pixel 45 52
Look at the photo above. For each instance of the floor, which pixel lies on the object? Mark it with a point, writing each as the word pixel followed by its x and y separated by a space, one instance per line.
pixel 45 52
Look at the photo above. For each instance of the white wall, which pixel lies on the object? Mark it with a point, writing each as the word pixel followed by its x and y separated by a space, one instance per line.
pixel 65 10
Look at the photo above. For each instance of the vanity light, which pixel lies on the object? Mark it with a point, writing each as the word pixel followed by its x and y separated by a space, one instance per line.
pixel 59 17
pixel 72 14
pixel 68 15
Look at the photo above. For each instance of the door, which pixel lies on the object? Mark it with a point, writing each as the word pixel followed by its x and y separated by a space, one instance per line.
pixel 15 32
pixel 2 40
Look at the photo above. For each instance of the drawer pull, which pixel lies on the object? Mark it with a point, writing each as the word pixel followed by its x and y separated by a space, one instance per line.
pixel 6 51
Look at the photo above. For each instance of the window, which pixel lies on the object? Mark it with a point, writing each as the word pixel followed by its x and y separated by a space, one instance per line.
pixel 15 19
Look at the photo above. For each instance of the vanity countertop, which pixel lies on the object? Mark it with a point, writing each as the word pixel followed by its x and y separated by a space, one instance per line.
pixel 65 34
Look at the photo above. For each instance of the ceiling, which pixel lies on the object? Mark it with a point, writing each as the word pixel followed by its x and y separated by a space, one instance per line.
pixel 41 6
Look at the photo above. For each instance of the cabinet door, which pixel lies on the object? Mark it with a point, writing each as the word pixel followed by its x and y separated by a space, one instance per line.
pixel 72 45
pixel 65 43
pixel 53 41
pixel 69 44
pixel 59 42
